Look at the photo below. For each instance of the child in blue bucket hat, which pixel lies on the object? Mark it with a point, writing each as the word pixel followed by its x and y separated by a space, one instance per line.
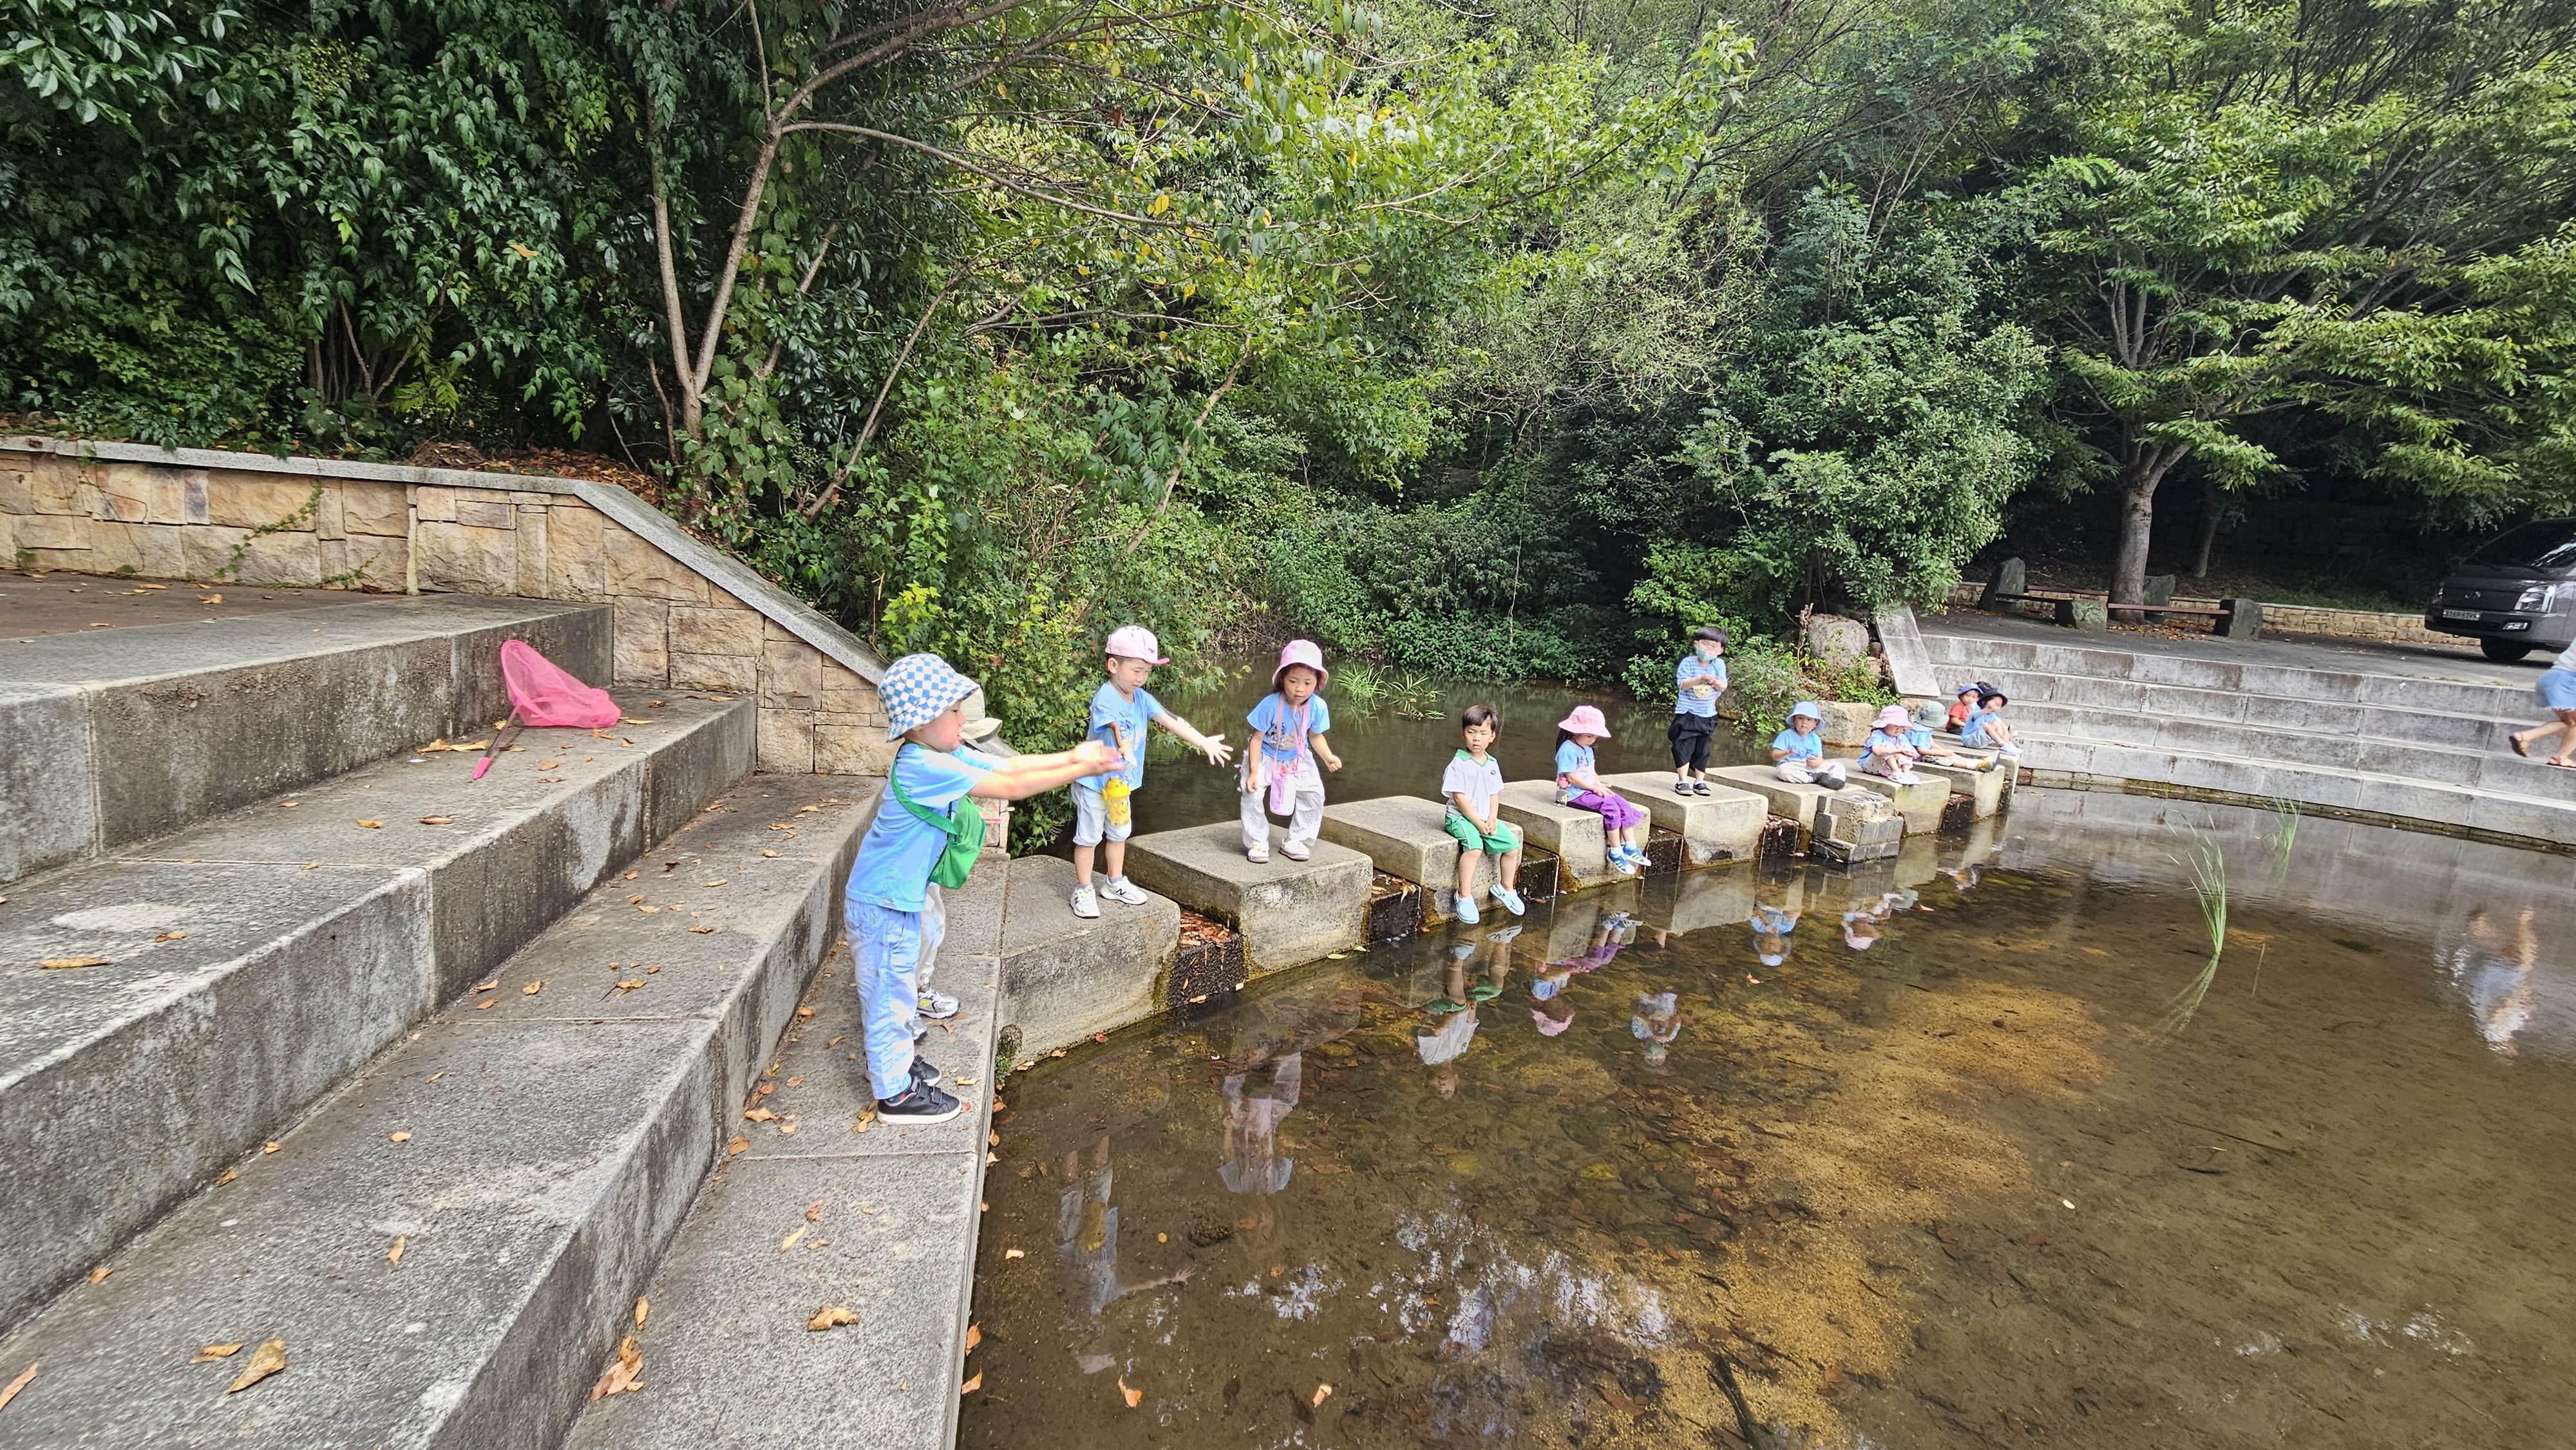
pixel 893 908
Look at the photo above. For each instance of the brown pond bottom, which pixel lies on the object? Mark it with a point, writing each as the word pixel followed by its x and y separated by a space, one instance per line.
pixel 2020 1171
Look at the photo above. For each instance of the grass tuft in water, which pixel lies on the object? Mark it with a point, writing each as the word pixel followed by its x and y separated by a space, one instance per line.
pixel 2206 862
pixel 2285 828
pixel 1361 684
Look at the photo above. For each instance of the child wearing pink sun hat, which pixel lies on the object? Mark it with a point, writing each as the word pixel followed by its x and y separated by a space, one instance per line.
pixel 1279 776
pixel 1579 784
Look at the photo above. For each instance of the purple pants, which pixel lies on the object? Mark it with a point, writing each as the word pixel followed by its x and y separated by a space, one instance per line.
pixel 1615 811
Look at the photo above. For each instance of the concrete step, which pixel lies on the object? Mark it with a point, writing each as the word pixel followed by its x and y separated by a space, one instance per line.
pixel 120 735
pixel 531 1159
pixel 1979 655
pixel 2496 768
pixel 2122 699
pixel 252 961
pixel 1290 912
pixel 891 1237
pixel 1065 977
pixel 2054 760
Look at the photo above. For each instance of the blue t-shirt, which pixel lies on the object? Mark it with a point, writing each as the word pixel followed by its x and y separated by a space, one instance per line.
pixel 1882 743
pixel 1973 731
pixel 1800 745
pixel 1130 717
pixel 1693 668
pixel 1571 757
pixel 1282 739
pixel 895 859
pixel 1919 738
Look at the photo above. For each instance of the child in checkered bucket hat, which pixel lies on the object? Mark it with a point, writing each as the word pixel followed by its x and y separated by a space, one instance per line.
pixel 894 911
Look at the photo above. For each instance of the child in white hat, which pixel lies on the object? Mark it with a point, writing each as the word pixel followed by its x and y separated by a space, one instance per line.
pixel 1280 766
pixel 1119 714
pixel 892 905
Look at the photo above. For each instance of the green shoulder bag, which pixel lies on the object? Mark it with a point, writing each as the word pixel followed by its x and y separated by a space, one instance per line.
pixel 964 829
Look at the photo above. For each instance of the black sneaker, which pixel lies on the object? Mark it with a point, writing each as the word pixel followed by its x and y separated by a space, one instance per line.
pixel 920 1103
pixel 923 1073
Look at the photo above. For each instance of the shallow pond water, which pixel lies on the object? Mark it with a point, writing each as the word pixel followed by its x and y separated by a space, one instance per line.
pixel 1386 751
pixel 2020 1170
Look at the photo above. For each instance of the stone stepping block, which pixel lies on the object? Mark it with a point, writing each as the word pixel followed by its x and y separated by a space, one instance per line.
pixel 893 1242
pixel 1797 802
pixel 1290 912
pixel 254 960
pixel 1724 825
pixel 1405 836
pixel 531 1159
pixel 1572 834
pixel 1984 788
pixel 1701 901
pixel 1920 804
pixel 1065 978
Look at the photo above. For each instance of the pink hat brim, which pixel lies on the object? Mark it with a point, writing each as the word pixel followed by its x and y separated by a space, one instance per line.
pixel 1577 725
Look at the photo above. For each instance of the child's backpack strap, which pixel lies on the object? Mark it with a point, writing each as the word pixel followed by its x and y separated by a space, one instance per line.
pixel 963 828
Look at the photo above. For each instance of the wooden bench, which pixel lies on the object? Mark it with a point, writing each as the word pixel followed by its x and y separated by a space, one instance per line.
pixel 2229 618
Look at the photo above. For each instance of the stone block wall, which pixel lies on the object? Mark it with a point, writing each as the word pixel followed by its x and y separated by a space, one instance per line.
pixel 2406 629
pixel 681 623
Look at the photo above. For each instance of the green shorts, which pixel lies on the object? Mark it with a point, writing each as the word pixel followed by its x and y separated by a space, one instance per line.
pixel 1501 841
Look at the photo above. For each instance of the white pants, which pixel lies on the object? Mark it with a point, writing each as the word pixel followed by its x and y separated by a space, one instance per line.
pixel 1886 765
pixel 1305 817
pixel 1807 772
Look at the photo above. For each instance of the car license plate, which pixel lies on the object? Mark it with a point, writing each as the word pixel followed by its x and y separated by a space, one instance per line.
pixel 2468 614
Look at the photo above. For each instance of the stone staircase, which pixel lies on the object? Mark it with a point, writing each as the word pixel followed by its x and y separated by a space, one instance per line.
pixel 2386 739
pixel 308 1037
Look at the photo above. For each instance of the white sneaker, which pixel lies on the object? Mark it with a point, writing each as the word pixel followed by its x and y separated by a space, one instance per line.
pixel 1123 891
pixel 1086 903
pixel 1258 855
pixel 1295 853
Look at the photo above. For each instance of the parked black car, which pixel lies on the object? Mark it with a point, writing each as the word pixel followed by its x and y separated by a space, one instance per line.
pixel 2515 593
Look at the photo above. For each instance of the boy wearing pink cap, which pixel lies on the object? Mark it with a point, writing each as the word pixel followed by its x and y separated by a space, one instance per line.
pixel 1119 714
pixel 1291 721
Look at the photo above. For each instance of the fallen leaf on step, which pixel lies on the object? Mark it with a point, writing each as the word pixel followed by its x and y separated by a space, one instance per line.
pixel 485 1004
pixel 211 599
pixel 643 1306
pixel 212 1352
pixel 736 1146
pixel 973 1383
pixel 769 853
pixel 830 1316
pixel 373 825
pixel 835 1042
pixel 1134 1397
pixel 1059 1052
pixel 99 1274
pixel 430 748
pixel 1100 1037
pixel 65 964
pixel 1013 1254
pixel 814 1211
pixel 171 936
pixel 621 1375
pixel 470 744
pixel 965 1081
pixel 400 1138
pixel 15 1385
pixel 974 1336
pixel 266 1360
pixel 288 805
pixel 638 896
pixel 648 910
pixel 804 1014
pixel 546 765
pixel 790 1241
pixel 700 930
pixel 532 989
pixel 992 1137
pixel 759 1115
pixel 268 1147
pixel 394 1255
pixel 229 1175
pixel 438 820
pixel 624 987
pixel 788 1127
pixel 719 881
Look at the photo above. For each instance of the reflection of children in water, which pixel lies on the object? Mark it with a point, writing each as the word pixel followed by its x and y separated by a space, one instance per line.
pixel 1656 1022
pixel 1860 928
pixel 1257 1101
pixel 1086 1239
pixel 1771 928
pixel 2494 971
pixel 1614 930
pixel 1454 1011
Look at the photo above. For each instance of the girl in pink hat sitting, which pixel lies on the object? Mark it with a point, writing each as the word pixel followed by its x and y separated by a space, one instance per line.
pixel 1291 721
pixel 1888 752
pixel 1578 784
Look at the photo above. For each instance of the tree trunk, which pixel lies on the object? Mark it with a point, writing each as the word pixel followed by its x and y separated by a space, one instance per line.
pixel 2145 467
pixel 2209 507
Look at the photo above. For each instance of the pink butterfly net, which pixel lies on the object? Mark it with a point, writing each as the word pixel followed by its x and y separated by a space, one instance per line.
pixel 543 695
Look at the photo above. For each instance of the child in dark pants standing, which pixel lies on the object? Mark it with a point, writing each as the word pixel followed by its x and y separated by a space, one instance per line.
pixel 1697 682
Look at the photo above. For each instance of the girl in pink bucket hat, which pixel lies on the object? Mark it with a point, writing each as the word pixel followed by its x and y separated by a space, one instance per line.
pixel 1279 776
pixel 1578 784
pixel 1887 752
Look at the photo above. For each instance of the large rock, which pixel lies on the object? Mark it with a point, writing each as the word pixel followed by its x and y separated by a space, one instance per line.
pixel 1846 722
pixel 1289 912
pixel 1724 825
pixel 1839 642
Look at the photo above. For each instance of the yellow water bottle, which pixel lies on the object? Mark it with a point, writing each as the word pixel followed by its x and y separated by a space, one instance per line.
pixel 1113 800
